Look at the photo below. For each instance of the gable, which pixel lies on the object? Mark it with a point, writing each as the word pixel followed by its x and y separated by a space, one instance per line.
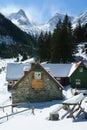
pixel 79 70
pixel 78 78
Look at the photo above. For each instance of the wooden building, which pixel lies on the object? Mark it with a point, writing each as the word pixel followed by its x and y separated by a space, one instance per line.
pixel 78 76
pixel 37 85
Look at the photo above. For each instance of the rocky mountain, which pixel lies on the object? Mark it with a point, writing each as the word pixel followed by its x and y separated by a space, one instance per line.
pixel 22 21
pixel 82 18
pixel 7 28
pixel 13 40
pixel 20 18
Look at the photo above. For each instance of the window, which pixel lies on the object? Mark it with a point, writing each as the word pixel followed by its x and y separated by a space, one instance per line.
pixel 78 82
pixel 81 69
pixel 37 75
pixel 58 79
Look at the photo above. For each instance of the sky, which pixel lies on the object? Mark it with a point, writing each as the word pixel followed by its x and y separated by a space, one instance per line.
pixel 42 10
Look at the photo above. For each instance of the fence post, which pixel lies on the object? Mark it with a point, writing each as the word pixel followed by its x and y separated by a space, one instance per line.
pixel 7 116
pixel 12 108
pixel 3 109
pixel 33 110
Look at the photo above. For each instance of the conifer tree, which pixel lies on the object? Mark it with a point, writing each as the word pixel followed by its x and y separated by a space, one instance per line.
pixel 44 46
pixel 55 43
pixel 78 33
pixel 62 42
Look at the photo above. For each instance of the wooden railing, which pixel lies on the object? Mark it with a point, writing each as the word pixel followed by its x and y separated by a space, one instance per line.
pixel 14 113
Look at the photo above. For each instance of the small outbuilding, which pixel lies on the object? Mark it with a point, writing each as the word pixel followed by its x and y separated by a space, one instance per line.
pixel 37 85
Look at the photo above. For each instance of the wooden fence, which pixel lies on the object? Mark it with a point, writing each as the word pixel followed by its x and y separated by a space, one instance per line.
pixel 14 113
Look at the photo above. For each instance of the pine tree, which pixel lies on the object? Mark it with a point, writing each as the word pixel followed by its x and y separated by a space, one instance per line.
pixel 44 46
pixel 55 43
pixel 78 33
pixel 62 42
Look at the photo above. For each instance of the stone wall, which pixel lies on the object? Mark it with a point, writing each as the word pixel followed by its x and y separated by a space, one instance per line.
pixel 23 91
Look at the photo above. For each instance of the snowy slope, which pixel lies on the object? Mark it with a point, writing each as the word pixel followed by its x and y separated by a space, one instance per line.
pixel 82 18
pixel 81 55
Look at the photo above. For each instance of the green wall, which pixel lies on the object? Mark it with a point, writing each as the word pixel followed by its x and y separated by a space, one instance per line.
pixel 80 77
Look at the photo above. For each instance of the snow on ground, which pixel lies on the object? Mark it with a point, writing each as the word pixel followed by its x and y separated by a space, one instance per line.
pixel 39 120
pixel 81 54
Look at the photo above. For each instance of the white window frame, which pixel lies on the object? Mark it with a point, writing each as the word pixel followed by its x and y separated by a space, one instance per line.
pixel 78 82
pixel 81 69
pixel 37 75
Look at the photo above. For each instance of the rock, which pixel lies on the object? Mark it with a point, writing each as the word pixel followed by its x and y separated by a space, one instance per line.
pixel 54 116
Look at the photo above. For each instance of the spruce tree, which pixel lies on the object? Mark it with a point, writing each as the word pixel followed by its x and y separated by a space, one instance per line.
pixel 78 33
pixel 44 46
pixel 55 43
pixel 62 42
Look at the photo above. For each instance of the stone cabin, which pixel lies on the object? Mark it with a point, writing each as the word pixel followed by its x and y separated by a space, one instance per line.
pixel 37 85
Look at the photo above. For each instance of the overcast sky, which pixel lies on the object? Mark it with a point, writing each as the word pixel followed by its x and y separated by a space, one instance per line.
pixel 42 10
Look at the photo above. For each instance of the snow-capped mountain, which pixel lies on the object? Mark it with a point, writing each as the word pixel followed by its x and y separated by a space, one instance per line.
pixel 21 20
pixel 82 18
pixel 54 20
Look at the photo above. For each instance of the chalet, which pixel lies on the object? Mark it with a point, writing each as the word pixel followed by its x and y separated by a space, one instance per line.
pixel 14 72
pixel 78 75
pixel 36 85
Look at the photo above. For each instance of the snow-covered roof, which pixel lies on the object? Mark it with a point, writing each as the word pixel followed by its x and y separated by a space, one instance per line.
pixel 58 70
pixel 85 63
pixel 31 60
pixel 72 69
pixel 75 66
pixel 16 70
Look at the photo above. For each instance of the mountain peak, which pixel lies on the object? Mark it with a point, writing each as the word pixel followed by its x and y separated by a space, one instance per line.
pixel 56 18
pixel 21 12
pixel 20 19
pixel 82 18
pixel 18 15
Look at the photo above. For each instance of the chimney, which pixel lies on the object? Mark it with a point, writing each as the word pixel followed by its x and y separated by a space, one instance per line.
pixel 26 69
